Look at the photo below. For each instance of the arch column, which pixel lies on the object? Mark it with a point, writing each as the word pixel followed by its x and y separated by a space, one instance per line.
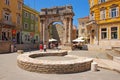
pixel 68 34
pixel 44 32
pixel 66 30
pixel 70 31
pixel 41 31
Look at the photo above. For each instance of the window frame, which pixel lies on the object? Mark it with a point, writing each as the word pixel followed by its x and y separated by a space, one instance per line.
pixel 25 26
pixel 102 32
pixel 92 16
pixel 7 2
pixel 26 14
pixel 19 5
pixel 103 14
pixel 102 1
pixel 7 16
pixel 32 27
pixel 115 31
pixel 32 17
pixel 116 12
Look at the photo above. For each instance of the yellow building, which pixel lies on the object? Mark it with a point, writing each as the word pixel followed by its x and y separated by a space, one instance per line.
pixel 104 24
pixel 10 20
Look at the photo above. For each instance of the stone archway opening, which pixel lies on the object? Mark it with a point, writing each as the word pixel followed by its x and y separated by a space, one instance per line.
pixel 62 14
pixel 56 31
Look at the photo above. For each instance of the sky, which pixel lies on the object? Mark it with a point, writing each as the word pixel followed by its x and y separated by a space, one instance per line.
pixel 80 7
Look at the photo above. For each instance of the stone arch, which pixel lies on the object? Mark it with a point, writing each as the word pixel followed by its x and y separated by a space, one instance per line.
pixel 62 14
pixel 57 31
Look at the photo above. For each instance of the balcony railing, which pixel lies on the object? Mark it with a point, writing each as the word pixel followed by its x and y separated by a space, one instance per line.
pixel 5 22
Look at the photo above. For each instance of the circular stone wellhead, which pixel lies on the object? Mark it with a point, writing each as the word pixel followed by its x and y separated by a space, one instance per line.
pixel 76 64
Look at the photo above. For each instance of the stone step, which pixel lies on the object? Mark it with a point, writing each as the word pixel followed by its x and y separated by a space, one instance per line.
pixel 102 56
pixel 113 56
pixel 108 64
pixel 116 59
pixel 117 50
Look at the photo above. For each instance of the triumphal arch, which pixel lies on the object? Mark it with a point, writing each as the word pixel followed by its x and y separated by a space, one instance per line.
pixel 62 14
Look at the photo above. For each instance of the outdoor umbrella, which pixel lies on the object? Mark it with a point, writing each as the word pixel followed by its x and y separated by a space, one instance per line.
pixel 52 40
pixel 79 39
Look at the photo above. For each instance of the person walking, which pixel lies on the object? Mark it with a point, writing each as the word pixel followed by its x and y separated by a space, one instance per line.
pixel 41 47
pixel 45 48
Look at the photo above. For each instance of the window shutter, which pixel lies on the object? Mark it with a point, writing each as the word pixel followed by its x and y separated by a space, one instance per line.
pixel 105 15
pixel 109 13
pixel 117 12
pixel 93 16
pixel 100 15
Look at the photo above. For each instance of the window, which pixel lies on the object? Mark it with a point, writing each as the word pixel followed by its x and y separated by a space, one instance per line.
pixel 32 27
pixel 92 3
pixel 114 33
pixel 114 12
pixel 36 19
pixel 36 27
pixel 92 16
pixel 32 16
pixel 25 26
pixel 36 38
pixel 7 17
pixel 6 34
pixel 102 14
pixel 7 2
pixel 27 37
pixel 102 1
pixel 83 24
pixel 19 6
pixel 83 31
pixel 26 15
pixel 18 18
pixel 103 33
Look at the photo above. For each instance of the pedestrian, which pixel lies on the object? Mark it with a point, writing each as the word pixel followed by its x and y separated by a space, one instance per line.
pixel 45 48
pixel 41 47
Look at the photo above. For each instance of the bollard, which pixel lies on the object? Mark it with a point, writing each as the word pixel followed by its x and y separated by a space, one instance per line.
pixel 94 66
pixel 12 48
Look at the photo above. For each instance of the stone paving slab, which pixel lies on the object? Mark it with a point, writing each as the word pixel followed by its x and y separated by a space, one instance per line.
pixel 10 71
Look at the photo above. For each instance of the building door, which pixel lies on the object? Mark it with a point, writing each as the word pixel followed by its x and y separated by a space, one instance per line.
pixel 18 38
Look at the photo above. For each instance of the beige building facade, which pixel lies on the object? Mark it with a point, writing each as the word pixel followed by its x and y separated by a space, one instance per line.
pixel 82 28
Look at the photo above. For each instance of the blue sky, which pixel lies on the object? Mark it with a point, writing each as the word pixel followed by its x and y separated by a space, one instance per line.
pixel 80 7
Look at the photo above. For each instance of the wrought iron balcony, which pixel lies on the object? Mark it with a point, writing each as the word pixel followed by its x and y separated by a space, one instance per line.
pixel 5 22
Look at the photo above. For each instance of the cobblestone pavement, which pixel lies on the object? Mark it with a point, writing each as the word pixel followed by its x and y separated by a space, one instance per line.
pixel 10 71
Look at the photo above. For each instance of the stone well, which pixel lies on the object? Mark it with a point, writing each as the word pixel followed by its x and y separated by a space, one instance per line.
pixel 30 63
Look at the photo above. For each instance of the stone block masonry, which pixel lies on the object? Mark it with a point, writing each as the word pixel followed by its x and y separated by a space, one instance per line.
pixel 27 62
